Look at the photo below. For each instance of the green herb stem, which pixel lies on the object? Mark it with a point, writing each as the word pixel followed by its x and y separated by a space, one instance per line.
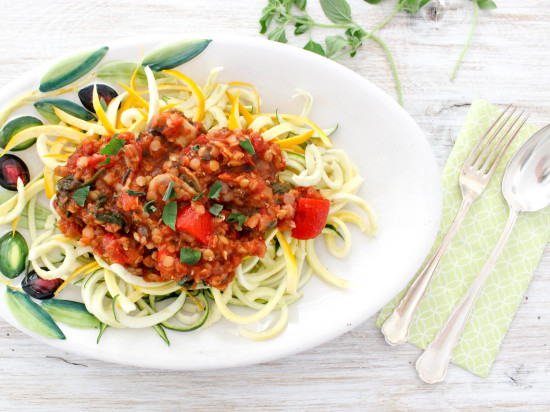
pixel 474 23
pixel 393 68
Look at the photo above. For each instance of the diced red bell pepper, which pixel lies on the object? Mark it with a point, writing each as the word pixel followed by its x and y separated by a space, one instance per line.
pixel 129 203
pixel 113 249
pixel 310 218
pixel 199 226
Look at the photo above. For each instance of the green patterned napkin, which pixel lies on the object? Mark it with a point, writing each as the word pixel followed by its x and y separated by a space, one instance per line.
pixel 467 253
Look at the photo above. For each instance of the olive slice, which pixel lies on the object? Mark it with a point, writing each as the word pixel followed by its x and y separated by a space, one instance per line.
pixel 12 168
pixel 104 92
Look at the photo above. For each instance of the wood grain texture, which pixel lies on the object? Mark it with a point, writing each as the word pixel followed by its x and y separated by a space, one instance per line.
pixel 509 61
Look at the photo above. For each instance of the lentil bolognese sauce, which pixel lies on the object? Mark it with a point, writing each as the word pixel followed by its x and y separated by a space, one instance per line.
pixel 212 176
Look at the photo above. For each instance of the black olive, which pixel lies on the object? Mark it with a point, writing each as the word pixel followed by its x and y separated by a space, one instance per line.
pixel 104 92
pixel 39 288
pixel 11 168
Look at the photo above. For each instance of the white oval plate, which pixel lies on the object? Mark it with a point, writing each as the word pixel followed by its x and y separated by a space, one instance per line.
pixel 402 184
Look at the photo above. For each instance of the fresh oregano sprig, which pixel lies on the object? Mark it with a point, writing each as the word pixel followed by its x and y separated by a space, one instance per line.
pixel 293 12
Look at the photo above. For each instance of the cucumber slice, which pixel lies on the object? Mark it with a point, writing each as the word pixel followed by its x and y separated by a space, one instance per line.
pixel 174 54
pixel 30 315
pixel 71 313
pixel 13 254
pixel 332 230
pixel 14 126
pixel 169 325
pixel 162 333
pixel 70 69
pixel 45 108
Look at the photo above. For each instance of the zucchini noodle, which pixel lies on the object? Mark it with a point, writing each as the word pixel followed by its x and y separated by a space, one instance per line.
pixel 120 299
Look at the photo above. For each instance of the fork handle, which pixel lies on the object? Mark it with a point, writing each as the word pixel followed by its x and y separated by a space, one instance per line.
pixel 396 327
pixel 433 363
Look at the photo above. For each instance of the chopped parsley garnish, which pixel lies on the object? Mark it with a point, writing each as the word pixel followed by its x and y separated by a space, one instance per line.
pixel 195 148
pixel 149 207
pixel 169 215
pixel 105 162
pixel 169 194
pixel 197 197
pixel 133 193
pixel 190 256
pixel 216 209
pixel 81 194
pixel 236 217
pixel 215 190
pixel 247 145
pixel 113 147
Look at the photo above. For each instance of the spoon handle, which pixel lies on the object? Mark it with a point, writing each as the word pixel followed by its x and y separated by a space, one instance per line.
pixel 432 364
pixel 396 327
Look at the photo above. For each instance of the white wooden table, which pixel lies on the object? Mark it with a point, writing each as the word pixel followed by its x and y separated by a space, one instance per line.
pixel 509 61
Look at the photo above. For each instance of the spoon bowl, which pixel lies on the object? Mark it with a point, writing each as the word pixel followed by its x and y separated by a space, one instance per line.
pixel 526 181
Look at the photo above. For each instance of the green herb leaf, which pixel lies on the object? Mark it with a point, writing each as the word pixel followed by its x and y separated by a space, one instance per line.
pixel 195 148
pixel 105 162
pixel 133 193
pixel 236 217
pixel 190 256
pixel 315 48
pixel 169 215
pixel 81 194
pixel 247 145
pixel 169 194
pixel 486 4
pixel 113 147
pixel 412 6
pixel 149 207
pixel 197 197
pixel 301 4
pixel 373 1
pixel 278 34
pixel 216 209
pixel 215 190
pixel 111 217
pixel 335 44
pixel 301 28
pixel 338 11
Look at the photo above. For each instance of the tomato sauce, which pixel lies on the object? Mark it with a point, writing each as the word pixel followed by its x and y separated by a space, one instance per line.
pixel 224 183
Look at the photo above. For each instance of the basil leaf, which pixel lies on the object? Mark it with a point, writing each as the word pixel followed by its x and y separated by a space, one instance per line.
pixel 315 48
pixel 113 147
pixel 338 11
pixel 197 197
pixel 132 193
pixel 195 148
pixel 215 190
pixel 236 217
pixel 169 215
pixel 111 217
pixel 301 28
pixel 149 207
pixel 373 1
pixel 247 145
pixel 105 162
pixel 190 256
pixel 81 194
pixel 169 194
pixel 216 209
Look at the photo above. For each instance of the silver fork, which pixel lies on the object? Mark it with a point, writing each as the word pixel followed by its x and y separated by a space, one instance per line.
pixel 476 172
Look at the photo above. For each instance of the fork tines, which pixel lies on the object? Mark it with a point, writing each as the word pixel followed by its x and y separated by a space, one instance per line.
pixel 496 143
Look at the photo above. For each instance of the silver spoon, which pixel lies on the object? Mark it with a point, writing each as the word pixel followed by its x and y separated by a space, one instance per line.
pixel 526 188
